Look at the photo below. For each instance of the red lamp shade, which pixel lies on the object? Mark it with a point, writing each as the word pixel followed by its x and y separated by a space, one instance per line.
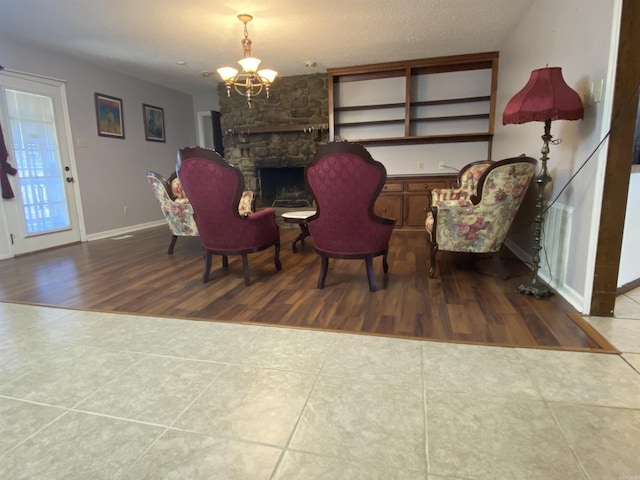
pixel 545 97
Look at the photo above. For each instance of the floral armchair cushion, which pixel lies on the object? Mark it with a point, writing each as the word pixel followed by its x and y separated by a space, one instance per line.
pixel 178 193
pixel 246 206
pixel 467 182
pixel 247 203
pixel 480 224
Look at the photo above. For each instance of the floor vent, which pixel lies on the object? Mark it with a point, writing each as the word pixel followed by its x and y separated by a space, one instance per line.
pixel 556 233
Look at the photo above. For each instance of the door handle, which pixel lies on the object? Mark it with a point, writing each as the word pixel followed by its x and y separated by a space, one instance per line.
pixel 68 179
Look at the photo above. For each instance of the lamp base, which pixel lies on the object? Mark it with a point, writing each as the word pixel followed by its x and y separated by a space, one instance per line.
pixel 536 288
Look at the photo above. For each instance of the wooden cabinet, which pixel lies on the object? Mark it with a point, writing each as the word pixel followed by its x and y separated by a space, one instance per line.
pixel 408 198
pixel 416 208
pixel 389 203
pixel 435 100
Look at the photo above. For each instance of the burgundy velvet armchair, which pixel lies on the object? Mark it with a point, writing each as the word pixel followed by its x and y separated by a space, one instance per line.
pixel 345 182
pixel 214 189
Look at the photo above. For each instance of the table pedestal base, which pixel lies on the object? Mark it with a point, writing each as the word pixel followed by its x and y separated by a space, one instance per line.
pixel 304 233
pixel 299 218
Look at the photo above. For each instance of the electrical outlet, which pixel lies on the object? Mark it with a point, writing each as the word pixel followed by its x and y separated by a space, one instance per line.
pixel 421 166
pixel 124 209
pixel 441 166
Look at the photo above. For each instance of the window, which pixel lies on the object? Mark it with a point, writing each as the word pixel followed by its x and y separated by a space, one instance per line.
pixel 35 144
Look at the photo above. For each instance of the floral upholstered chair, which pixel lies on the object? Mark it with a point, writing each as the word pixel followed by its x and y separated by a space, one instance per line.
pixel 175 207
pixel 480 222
pixel 468 178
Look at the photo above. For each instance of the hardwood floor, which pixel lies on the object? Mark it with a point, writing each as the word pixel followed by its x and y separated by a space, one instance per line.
pixel 464 303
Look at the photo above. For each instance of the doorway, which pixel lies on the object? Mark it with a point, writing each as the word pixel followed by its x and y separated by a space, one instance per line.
pixel 34 117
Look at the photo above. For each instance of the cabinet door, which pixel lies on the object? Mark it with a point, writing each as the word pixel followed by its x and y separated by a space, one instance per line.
pixel 389 206
pixel 417 207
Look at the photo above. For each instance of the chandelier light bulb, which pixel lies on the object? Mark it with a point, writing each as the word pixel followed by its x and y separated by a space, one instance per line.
pixel 249 64
pixel 227 73
pixel 269 75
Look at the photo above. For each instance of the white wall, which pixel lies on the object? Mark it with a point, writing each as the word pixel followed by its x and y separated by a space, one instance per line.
pixel 203 103
pixel 111 172
pixel 577 36
pixel 630 261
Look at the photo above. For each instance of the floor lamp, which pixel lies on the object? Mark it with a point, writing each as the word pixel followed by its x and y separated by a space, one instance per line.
pixel 544 98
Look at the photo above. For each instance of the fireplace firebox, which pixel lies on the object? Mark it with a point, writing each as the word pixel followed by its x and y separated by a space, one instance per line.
pixel 283 187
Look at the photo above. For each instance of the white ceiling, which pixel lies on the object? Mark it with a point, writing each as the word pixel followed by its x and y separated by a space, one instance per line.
pixel 146 38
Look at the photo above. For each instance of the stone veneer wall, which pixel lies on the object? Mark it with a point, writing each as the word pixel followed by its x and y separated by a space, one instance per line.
pixel 296 100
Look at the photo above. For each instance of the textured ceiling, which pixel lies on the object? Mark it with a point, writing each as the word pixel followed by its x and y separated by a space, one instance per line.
pixel 146 38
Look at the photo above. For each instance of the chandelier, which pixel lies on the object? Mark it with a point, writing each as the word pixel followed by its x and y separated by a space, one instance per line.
pixel 250 81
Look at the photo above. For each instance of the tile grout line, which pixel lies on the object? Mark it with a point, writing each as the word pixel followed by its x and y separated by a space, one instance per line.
pixel 169 427
pixel 583 469
pixel 65 412
pixel 427 463
pixel 278 464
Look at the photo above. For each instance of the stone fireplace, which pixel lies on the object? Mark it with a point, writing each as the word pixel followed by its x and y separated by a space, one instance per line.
pixel 274 140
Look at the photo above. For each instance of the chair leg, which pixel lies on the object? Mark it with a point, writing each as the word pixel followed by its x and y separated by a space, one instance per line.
pixel 432 268
pixel 276 256
pixel 172 244
pixel 324 266
pixel 225 261
pixel 245 269
pixel 207 266
pixel 370 275
pixel 385 265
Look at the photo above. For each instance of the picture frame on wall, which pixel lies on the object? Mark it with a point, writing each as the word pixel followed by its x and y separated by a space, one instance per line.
pixel 153 118
pixel 109 116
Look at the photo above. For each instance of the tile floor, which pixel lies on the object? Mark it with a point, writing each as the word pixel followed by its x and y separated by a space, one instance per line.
pixel 101 396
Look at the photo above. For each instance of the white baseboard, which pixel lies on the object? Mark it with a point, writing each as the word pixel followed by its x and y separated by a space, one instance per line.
pixel 125 230
pixel 570 295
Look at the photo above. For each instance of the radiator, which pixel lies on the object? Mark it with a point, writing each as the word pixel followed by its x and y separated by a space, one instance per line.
pixel 556 233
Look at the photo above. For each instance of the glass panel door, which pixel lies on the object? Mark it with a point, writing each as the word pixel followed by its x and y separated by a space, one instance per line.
pixel 44 212
pixel 37 158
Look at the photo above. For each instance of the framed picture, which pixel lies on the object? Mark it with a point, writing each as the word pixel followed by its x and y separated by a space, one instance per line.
pixel 153 123
pixel 109 116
